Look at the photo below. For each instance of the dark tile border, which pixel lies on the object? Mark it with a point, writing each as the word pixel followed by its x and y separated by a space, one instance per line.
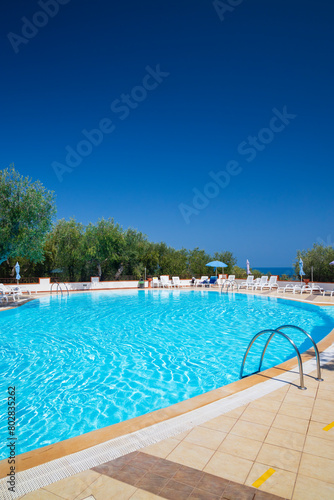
pixel 175 481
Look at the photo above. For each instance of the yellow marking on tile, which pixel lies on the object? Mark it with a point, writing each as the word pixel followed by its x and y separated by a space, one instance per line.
pixel 328 427
pixel 263 478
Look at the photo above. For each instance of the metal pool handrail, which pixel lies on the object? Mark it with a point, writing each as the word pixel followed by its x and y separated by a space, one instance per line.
pixel 59 287
pixel 278 331
pixel 319 379
pixel 228 283
pixel 274 332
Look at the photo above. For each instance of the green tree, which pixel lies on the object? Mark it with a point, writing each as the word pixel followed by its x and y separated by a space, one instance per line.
pixel 67 244
pixel 26 213
pixel 239 272
pixel 138 254
pixel 104 247
pixel 197 261
pixel 172 262
pixel 319 257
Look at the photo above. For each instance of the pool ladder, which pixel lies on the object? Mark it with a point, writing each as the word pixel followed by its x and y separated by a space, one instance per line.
pixel 277 331
pixel 228 284
pixel 59 287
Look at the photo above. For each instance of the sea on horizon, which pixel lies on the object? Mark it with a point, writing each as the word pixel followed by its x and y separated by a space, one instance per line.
pixel 289 271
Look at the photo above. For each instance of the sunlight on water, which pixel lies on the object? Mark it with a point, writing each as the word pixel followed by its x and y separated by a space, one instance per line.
pixel 90 360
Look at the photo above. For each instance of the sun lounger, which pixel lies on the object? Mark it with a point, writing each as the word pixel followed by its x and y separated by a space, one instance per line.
pixel 263 281
pixel 213 281
pixel 21 289
pixel 248 283
pixel 308 288
pixel 176 281
pixel 8 293
pixel 255 283
pixel 328 292
pixel 202 281
pixel 165 281
pixel 3 296
pixel 272 283
pixel 289 288
pixel 156 283
pixel 316 288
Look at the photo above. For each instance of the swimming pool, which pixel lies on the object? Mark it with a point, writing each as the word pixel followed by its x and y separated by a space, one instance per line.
pixel 90 360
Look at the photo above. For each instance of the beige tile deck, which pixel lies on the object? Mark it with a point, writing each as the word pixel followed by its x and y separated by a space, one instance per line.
pixel 283 436
pixel 208 438
pixel 229 467
pixel 190 454
pixel 308 488
pixel 283 431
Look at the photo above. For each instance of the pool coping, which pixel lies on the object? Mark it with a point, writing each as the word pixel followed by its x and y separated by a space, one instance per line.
pixel 85 441
pixel 259 293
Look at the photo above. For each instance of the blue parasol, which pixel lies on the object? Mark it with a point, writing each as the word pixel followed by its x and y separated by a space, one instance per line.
pixel 215 264
pixel 17 269
pixel 301 271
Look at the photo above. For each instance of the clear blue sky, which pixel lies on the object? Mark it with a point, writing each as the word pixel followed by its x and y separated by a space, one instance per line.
pixel 180 90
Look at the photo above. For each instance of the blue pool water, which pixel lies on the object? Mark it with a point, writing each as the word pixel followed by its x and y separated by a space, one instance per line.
pixel 90 360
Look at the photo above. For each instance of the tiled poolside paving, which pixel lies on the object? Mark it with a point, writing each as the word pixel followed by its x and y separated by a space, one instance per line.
pixel 287 431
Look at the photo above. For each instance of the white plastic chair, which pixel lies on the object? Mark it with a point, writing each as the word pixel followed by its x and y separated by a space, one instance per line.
pixel 272 283
pixel 262 281
pixel 291 288
pixel 176 281
pixel 7 292
pixel 248 283
pixel 165 281
pixel 308 288
pixel 201 281
pixel 155 283
pixel 20 289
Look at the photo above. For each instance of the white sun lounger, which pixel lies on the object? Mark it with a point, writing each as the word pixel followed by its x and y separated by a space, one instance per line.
pixel 308 288
pixel 155 282
pixel 20 289
pixel 165 281
pixel 287 288
pixel 248 283
pixel 263 281
pixel 201 281
pixel 221 280
pixel 176 281
pixel 272 283
pixel 8 293
pixel 255 282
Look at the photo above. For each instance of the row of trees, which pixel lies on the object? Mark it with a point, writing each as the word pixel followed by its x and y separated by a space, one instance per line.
pixel 76 252
pixel 316 262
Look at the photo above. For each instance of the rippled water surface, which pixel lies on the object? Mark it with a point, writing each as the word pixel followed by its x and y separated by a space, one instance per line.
pixel 90 360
